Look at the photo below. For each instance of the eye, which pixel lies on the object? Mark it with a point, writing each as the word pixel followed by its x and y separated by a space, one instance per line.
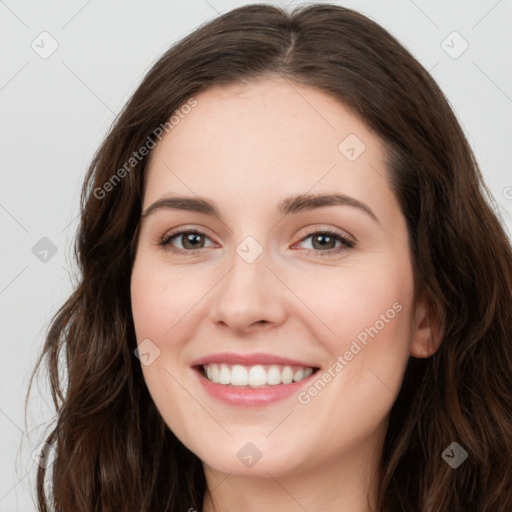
pixel 191 240
pixel 326 241
pixel 323 242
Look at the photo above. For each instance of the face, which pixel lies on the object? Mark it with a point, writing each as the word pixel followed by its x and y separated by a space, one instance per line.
pixel 300 311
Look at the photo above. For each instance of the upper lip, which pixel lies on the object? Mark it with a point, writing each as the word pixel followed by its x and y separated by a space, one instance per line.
pixel 249 360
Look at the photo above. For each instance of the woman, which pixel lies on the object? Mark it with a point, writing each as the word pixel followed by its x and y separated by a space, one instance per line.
pixel 217 362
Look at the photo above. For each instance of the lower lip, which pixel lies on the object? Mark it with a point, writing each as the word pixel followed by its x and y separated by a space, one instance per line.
pixel 250 397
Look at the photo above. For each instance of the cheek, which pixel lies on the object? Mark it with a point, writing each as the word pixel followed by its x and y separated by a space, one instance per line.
pixel 359 303
pixel 159 299
pixel 148 313
pixel 369 353
pixel 160 314
pixel 366 328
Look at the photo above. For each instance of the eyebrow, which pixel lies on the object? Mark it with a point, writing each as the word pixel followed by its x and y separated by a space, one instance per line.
pixel 289 205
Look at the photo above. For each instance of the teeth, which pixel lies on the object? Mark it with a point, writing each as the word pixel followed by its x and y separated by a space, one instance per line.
pixel 224 375
pixel 287 375
pixel 273 376
pixel 298 375
pixel 239 376
pixel 255 376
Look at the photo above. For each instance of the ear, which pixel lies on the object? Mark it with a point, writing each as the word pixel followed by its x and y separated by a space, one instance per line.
pixel 427 330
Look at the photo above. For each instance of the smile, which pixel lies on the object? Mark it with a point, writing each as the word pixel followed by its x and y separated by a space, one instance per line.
pixel 252 380
pixel 255 376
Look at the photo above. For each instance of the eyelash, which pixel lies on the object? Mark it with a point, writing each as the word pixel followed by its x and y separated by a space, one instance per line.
pixel 348 244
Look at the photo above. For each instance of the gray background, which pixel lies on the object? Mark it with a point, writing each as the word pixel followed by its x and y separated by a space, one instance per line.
pixel 56 110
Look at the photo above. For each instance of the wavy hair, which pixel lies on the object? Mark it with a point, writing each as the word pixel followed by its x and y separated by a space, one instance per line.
pixel 114 451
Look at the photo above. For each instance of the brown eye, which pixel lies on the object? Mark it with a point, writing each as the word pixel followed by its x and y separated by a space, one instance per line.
pixel 324 242
pixel 191 241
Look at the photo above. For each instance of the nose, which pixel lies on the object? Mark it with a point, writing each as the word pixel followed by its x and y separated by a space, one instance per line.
pixel 249 297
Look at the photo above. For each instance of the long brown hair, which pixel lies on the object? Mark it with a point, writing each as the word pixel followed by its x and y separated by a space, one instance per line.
pixel 113 450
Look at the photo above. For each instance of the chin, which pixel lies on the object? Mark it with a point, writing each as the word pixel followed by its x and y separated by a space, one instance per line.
pixel 248 459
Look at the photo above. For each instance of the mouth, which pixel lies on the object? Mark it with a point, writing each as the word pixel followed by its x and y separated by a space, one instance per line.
pixel 254 376
pixel 252 380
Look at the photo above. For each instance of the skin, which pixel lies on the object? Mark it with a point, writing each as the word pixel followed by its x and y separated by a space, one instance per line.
pixel 246 147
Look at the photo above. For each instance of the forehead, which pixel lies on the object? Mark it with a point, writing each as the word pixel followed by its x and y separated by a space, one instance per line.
pixel 264 140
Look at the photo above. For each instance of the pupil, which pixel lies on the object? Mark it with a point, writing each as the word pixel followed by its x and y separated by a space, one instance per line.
pixel 320 237
pixel 190 238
